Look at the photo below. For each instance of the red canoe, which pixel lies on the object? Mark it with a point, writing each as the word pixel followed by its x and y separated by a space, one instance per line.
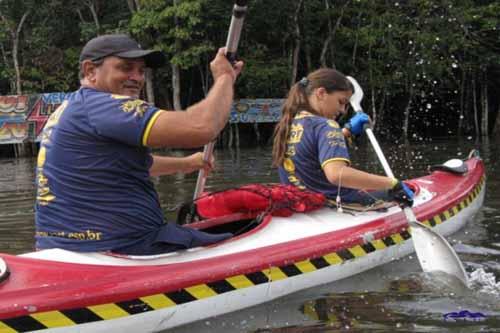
pixel 272 256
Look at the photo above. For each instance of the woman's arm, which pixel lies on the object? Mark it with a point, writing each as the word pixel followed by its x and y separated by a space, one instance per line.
pixel 339 172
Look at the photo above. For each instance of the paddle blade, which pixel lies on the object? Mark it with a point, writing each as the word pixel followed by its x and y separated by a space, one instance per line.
pixel 435 253
pixel 357 96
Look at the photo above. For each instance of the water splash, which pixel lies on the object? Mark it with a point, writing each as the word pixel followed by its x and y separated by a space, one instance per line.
pixel 484 282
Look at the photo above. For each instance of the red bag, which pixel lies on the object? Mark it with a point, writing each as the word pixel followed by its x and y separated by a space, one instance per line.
pixel 276 199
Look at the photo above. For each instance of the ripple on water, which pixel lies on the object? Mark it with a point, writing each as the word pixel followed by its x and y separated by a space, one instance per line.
pixel 484 282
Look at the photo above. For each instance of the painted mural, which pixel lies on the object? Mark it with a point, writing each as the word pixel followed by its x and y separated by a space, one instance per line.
pixel 256 111
pixel 22 118
pixel 13 123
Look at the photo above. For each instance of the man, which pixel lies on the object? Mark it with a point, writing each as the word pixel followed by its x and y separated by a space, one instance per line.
pixel 94 164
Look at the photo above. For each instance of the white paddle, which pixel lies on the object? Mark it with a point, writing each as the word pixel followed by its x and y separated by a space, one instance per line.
pixel 233 38
pixel 433 251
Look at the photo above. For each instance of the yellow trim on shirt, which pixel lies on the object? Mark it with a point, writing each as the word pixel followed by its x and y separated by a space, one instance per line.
pixel 304 114
pixel 335 159
pixel 150 124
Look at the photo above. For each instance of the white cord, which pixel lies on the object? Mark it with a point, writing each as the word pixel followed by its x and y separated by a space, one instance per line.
pixel 338 201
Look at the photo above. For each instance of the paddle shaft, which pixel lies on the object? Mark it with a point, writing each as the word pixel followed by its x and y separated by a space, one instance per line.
pixel 433 251
pixel 447 260
pixel 233 39
pixel 379 152
pixel 407 210
pixel 356 104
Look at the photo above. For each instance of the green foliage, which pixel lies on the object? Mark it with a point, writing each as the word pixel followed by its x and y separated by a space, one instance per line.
pixel 263 77
pixel 431 49
pixel 177 29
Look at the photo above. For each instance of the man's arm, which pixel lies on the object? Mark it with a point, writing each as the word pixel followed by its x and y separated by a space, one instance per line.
pixel 201 122
pixel 166 165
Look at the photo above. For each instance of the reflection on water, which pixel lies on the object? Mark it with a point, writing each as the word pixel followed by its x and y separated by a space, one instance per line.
pixel 395 297
pixel 392 298
pixel 17 193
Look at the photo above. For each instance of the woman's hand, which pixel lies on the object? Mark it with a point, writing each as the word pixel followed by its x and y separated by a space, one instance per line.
pixel 357 123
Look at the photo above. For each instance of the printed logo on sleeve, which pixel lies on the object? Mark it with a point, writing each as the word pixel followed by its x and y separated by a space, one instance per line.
pixel 137 106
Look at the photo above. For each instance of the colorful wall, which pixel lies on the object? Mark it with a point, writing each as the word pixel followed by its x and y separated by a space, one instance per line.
pixel 256 111
pixel 22 118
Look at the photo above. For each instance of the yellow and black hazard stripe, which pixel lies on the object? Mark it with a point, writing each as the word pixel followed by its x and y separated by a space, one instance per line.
pixel 449 213
pixel 62 318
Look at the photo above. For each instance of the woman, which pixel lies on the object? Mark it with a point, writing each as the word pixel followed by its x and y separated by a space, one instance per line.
pixel 310 148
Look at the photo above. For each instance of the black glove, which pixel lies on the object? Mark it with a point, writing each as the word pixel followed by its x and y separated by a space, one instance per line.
pixel 402 194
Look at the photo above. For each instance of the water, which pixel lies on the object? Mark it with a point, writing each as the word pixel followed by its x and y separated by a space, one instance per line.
pixel 396 297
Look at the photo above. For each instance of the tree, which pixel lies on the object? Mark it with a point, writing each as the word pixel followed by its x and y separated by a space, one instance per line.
pixel 13 16
pixel 175 27
pixel 427 67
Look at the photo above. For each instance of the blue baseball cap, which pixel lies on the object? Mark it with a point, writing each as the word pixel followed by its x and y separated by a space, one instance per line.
pixel 122 46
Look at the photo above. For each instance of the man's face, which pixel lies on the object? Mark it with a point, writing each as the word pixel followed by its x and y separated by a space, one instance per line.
pixel 119 76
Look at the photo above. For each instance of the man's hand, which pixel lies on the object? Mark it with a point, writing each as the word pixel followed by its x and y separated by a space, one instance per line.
pixel 402 194
pixel 356 124
pixel 196 162
pixel 220 66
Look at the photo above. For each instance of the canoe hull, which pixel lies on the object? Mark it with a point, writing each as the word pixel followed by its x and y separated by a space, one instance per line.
pixel 162 293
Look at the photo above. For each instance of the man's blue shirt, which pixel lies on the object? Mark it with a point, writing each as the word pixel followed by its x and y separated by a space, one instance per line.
pixel 94 191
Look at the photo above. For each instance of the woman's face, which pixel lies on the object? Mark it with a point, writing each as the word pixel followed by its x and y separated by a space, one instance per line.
pixel 333 105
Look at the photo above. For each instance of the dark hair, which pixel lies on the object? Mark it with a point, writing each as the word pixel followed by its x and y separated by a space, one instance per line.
pixel 298 100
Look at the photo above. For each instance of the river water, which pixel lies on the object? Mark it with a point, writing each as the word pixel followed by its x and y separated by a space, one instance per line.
pixel 396 297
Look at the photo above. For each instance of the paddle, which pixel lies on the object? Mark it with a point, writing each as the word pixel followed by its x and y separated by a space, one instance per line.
pixel 233 38
pixel 433 251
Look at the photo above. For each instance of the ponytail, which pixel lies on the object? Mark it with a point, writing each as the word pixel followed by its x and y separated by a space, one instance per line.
pixel 296 101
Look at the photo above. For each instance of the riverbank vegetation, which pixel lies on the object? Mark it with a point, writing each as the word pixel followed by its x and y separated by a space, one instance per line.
pixel 428 68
